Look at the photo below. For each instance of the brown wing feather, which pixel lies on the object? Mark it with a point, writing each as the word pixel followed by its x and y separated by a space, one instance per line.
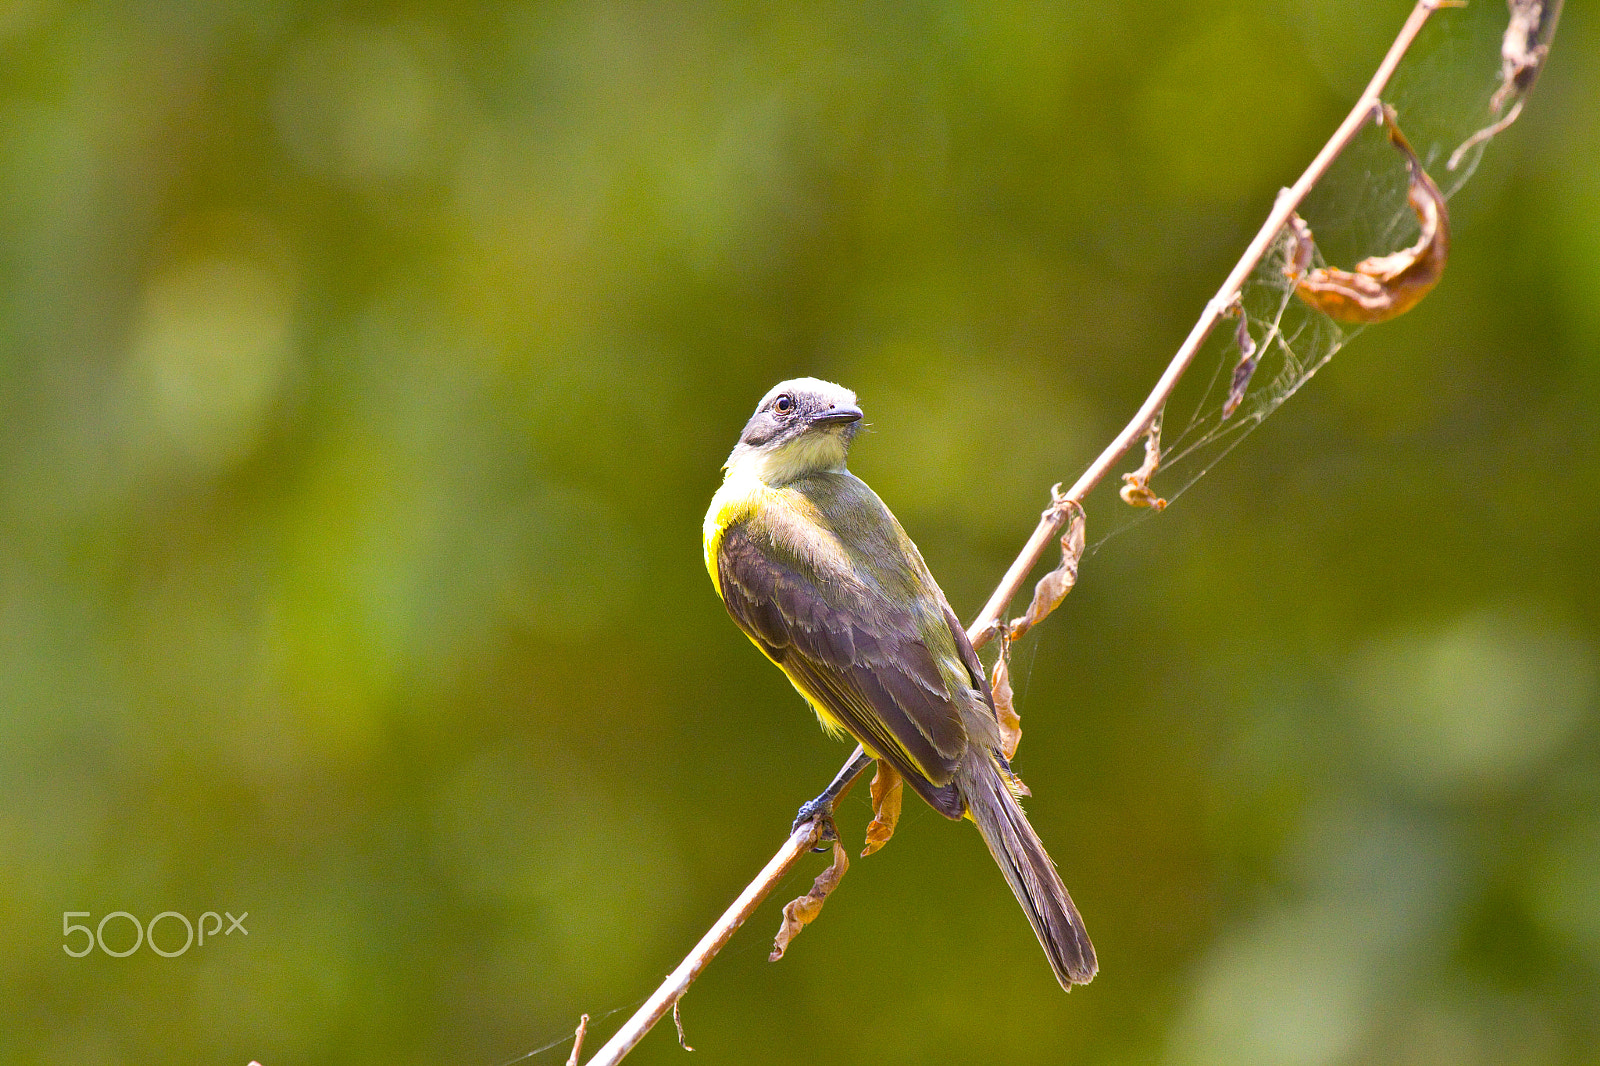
pixel 969 657
pixel 853 651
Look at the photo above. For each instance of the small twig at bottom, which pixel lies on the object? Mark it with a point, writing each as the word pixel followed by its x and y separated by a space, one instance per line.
pixel 678 981
pixel 577 1040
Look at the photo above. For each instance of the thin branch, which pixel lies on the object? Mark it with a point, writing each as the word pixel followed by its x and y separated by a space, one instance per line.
pixel 983 629
pixel 678 981
pixel 1288 201
pixel 577 1040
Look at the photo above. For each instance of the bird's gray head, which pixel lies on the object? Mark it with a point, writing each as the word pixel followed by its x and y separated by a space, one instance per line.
pixel 800 427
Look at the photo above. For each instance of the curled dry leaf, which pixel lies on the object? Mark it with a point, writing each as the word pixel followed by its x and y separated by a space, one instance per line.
pixel 1523 49
pixel 801 912
pixel 677 1020
pixel 1004 706
pixel 888 788
pixel 1383 286
pixel 1246 367
pixel 1054 586
pixel 1136 486
pixel 1524 46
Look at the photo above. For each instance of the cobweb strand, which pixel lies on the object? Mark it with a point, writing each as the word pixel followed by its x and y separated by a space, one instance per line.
pixel 1442 93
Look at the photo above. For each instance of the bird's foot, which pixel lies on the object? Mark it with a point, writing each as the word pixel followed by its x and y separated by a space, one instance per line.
pixel 819 812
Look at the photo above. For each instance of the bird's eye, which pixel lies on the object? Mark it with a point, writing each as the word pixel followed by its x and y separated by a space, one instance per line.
pixel 783 404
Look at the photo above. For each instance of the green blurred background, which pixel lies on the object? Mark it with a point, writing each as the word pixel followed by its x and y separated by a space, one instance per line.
pixel 366 370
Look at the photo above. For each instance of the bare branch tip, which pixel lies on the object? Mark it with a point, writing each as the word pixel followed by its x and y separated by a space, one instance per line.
pixel 577 1040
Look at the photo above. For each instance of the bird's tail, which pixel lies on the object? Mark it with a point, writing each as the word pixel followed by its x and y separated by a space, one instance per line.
pixel 1028 869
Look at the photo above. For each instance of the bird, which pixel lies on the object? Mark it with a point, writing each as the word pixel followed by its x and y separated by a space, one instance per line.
pixel 818 573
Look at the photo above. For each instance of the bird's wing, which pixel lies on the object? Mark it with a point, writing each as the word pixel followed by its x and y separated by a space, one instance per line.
pixel 862 656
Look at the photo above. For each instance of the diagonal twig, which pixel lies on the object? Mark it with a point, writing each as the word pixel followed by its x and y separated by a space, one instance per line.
pixel 678 981
pixel 1288 200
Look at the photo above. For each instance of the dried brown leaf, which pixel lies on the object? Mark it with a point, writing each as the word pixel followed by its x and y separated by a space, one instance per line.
pixel 1523 50
pixel 1004 707
pixel 1136 490
pixel 801 912
pixel 1054 586
pixel 888 788
pixel 1246 367
pixel 1383 286
pixel 677 1020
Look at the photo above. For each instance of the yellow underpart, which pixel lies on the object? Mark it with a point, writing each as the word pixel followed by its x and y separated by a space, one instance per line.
pixel 743 492
pixel 738 498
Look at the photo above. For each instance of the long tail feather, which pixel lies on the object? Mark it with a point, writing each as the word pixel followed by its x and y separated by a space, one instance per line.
pixel 1028 870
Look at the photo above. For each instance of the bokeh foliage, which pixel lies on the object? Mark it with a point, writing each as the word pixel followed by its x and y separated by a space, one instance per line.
pixel 364 373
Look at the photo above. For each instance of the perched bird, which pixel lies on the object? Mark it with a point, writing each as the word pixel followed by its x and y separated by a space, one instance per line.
pixel 818 573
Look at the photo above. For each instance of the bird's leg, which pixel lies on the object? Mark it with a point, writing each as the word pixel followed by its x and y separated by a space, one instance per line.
pixel 820 810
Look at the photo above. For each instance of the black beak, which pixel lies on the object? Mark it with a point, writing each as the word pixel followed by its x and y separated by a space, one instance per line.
pixel 836 416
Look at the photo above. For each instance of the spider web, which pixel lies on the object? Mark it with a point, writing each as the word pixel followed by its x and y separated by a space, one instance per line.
pixel 1442 93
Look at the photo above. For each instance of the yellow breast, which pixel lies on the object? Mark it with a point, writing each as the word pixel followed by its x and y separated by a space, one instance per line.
pixel 740 495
